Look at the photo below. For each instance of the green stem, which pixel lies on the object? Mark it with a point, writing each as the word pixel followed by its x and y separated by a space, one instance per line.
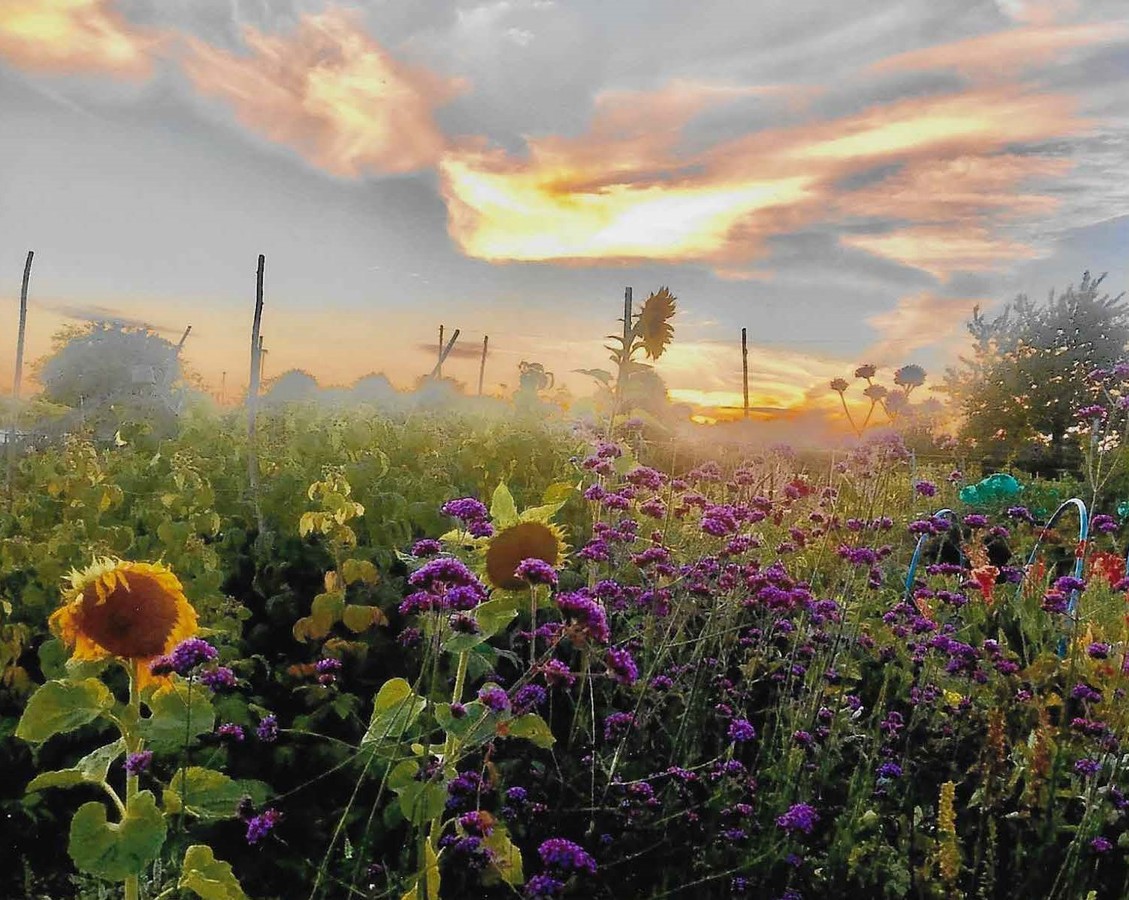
pixel 132 745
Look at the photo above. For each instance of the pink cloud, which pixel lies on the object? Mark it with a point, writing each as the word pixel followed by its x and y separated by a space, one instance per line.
pixel 332 93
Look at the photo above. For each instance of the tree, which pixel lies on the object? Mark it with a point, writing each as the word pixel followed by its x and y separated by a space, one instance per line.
pixel 1019 390
pixel 113 375
pixel 293 386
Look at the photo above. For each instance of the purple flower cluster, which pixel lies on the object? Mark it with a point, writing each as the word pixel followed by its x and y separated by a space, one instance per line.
pixel 267 730
pixel 799 817
pixel 536 571
pixel 621 665
pixel 565 858
pixel 585 617
pixel 136 763
pixel 466 510
pixel 443 583
pixel 258 827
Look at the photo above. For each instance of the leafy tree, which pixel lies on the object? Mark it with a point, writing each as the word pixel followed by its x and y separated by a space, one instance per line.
pixel 293 386
pixel 1025 379
pixel 113 375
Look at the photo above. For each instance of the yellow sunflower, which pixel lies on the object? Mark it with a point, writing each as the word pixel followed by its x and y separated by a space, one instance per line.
pixel 126 610
pixel 525 540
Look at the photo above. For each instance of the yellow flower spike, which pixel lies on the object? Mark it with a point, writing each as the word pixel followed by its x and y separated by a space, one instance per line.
pixel 130 611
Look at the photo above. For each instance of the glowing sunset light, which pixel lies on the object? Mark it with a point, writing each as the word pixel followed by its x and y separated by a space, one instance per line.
pixel 67 36
pixel 498 216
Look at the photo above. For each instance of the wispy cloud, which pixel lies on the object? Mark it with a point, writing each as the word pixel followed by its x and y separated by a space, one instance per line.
pixel 1015 49
pixel 621 192
pixel 331 92
pixel 917 321
pixel 66 37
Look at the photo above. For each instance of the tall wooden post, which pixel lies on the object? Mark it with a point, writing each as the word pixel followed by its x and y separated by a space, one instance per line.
pixel 183 338
pixel 22 333
pixel 13 422
pixel 439 365
pixel 253 392
pixel 444 353
pixel 745 367
pixel 482 364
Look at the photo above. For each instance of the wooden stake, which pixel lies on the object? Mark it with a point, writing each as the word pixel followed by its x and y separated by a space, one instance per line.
pixel 435 373
pixel 745 367
pixel 482 365
pixel 183 338
pixel 253 392
pixel 21 334
pixel 439 365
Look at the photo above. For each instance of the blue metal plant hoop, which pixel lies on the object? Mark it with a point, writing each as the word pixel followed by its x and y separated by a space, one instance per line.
pixel 945 513
pixel 1079 558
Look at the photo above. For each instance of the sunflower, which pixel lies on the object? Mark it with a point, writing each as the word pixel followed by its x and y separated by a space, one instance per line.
pixel 525 540
pixel 131 611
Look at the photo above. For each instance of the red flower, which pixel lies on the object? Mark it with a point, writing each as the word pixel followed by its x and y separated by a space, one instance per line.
pixel 1110 566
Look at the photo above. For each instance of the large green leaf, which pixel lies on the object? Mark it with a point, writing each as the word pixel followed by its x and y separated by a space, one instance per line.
pixel 91 769
pixel 208 877
pixel 503 510
pixel 505 858
pixel 115 851
pixel 533 728
pixel 208 794
pixel 394 710
pixel 177 714
pixel 61 706
pixel 422 801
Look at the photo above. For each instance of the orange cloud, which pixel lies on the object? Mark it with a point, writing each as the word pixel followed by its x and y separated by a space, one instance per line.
pixel 944 249
pixel 620 191
pixel 74 36
pixel 958 188
pixel 331 92
pixel 917 321
pixel 1027 47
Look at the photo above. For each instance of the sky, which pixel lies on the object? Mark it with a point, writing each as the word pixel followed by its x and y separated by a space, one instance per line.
pixel 845 180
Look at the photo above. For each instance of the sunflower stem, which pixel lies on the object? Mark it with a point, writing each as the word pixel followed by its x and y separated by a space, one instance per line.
pixel 132 745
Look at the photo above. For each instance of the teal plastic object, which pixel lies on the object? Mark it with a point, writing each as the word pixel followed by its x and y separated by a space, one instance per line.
pixel 993 489
pixel 1123 509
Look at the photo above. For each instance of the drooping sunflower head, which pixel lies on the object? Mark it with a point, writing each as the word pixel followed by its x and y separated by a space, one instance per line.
pixel 128 610
pixel 525 540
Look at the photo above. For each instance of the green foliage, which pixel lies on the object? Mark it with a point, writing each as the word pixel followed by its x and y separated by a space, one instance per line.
pixel 1019 389
pixel 62 706
pixel 117 851
pixel 209 878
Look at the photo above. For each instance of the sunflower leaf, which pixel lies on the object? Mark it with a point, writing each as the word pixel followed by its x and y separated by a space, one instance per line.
pixel 62 706
pixel 394 710
pixel 208 794
pixel 505 858
pixel 91 769
pixel 116 851
pixel 534 729
pixel 177 714
pixel 503 510
pixel 208 877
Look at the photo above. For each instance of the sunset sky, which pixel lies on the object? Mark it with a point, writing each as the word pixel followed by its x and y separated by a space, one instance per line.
pixel 846 180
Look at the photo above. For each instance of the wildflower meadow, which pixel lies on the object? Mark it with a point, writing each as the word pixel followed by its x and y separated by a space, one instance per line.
pixel 545 658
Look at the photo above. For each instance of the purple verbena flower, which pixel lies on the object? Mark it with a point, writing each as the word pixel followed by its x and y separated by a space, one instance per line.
pixel 799 817
pixel 267 730
pixel 136 763
pixel 190 653
pixel 260 826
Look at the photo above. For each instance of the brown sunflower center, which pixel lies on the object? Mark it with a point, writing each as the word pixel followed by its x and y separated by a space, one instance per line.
pixel 528 540
pixel 133 623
